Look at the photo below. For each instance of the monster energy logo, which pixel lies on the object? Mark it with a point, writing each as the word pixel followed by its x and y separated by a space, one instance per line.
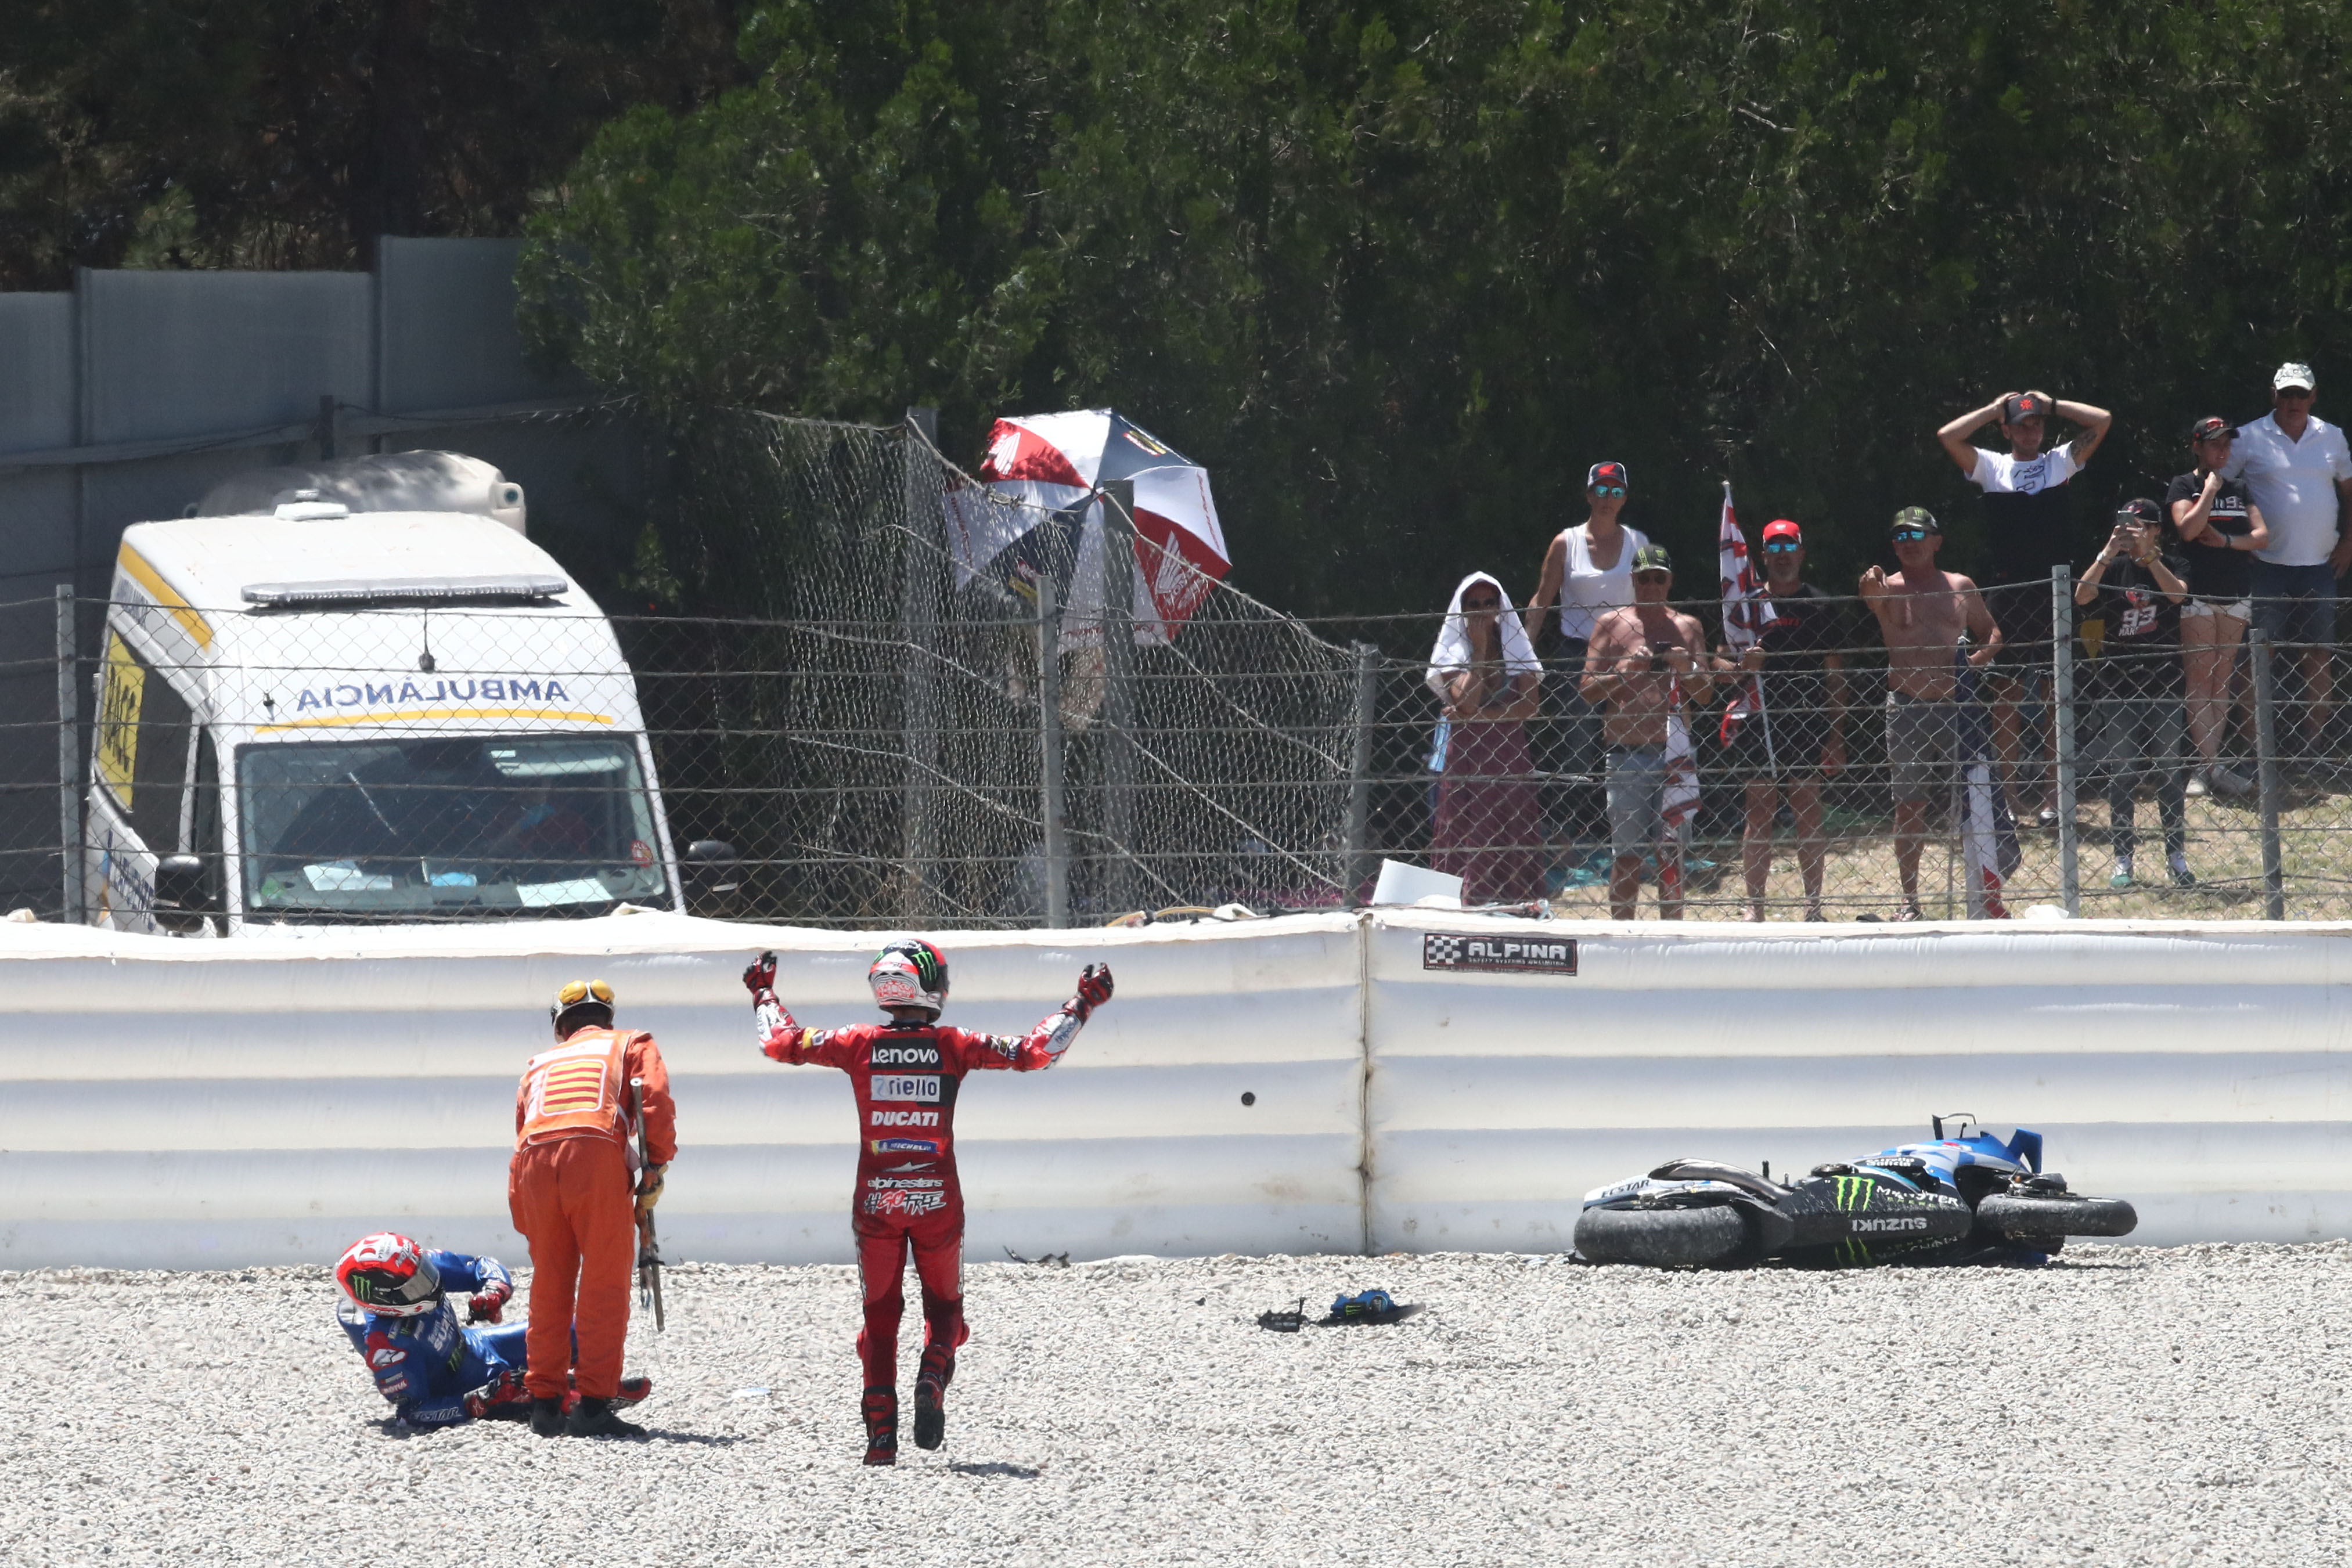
pixel 1855 1192
pixel 363 1287
pixel 1852 1251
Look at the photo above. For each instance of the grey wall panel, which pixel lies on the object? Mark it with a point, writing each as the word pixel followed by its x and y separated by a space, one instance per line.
pixel 449 338
pixel 36 371
pixel 116 495
pixel 192 353
pixel 36 529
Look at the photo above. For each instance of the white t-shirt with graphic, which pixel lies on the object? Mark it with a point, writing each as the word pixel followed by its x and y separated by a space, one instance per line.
pixel 2005 474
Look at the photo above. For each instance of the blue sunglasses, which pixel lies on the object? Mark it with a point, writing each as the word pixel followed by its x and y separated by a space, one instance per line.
pixel 1782 547
pixel 1609 489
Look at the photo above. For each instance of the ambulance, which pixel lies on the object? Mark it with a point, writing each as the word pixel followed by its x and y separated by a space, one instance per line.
pixel 309 716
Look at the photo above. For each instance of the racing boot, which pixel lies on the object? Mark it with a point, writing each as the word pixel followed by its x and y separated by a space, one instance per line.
pixel 880 1408
pixel 594 1418
pixel 932 1395
pixel 547 1417
pixel 633 1391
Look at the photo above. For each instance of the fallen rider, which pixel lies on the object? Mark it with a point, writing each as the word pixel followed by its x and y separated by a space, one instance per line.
pixel 436 1371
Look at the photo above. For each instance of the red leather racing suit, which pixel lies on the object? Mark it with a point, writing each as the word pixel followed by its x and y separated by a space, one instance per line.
pixel 906 1076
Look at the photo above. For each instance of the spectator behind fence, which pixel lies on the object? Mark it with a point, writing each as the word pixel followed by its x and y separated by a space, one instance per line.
pixel 2219 528
pixel 2029 516
pixel 1642 659
pixel 1588 568
pixel 1922 611
pixel 2297 470
pixel 2132 692
pixel 1799 738
pixel 1489 831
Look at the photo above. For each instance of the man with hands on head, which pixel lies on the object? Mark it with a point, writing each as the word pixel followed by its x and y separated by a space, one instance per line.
pixel 2029 526
pixel 1923 612
pixel 906 1075
pixel 1637 656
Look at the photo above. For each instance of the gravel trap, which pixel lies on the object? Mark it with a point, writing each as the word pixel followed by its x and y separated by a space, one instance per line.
pixel 2123 1405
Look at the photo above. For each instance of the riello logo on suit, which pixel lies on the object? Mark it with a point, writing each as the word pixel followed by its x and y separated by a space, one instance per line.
pixel 903 1118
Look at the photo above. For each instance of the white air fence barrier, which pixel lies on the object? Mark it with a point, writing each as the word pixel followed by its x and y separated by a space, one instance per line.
pixel 1325 1083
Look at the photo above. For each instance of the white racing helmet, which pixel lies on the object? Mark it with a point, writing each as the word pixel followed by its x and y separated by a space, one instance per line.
pixel 909 973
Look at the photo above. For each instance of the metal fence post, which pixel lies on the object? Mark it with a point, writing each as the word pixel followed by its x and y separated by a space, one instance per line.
pixel 1359 775
pixel 69 759
pixel 1049 770
pixel 1118 884
pixel 2061 698
pixel 919 625
pixel 2267 769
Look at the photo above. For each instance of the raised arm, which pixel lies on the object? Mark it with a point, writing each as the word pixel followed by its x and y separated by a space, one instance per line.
pixel 2190 518
pixel 781 1038
pixel 2093 421
pixel 1043 1046
pixel 1955 436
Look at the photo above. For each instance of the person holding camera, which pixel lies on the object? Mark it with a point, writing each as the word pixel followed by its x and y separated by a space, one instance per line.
pixel 2136 688
pixel 1646 664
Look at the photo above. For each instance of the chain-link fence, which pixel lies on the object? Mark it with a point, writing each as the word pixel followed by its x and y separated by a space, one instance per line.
pixel 889 728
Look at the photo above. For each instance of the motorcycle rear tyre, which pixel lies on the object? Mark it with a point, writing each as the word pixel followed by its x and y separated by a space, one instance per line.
pixel 1661 1237
pixel 2068 1216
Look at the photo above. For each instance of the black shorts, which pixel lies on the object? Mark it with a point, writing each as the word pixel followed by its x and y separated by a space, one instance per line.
pixel 1793 758
pixel 2022 611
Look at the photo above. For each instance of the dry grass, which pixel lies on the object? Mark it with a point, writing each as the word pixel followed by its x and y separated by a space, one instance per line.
pixel 2224 852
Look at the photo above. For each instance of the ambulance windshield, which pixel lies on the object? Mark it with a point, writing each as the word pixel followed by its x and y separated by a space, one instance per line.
pixel 449 827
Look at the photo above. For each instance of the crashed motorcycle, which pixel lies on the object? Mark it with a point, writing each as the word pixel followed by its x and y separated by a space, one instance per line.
pixel 1963 1199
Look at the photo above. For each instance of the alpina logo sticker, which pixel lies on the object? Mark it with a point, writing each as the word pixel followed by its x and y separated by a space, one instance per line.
pixel 1500 955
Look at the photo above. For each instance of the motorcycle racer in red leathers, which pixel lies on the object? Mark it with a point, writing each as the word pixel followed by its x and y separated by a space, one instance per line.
pixel 906 1075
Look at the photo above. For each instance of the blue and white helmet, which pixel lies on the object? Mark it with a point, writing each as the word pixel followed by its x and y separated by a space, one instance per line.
pixel 909 973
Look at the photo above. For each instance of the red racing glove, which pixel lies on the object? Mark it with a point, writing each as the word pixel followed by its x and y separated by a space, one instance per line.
pixel 504 1389
pixel 485 1307
pixel 1094 990
pixel 762 976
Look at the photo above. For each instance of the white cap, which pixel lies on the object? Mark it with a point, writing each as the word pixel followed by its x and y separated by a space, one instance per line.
pixel 2292 374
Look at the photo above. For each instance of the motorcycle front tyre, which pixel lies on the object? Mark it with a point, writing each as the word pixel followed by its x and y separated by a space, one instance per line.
pixel 2012 1215
pixel 1661 1237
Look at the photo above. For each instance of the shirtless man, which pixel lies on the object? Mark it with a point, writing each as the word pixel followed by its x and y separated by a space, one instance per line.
pixel 1636 655
pixel 1922 612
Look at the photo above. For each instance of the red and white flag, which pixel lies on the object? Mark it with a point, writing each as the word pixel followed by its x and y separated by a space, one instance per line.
pixel 1745 612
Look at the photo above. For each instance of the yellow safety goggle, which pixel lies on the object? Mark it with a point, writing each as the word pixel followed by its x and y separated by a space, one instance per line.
pixel 578 991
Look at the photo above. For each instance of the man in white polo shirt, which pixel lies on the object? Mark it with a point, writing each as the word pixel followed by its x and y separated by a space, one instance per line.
pixel 2298 471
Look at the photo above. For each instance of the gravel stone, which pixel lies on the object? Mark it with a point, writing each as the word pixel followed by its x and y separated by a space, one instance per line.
pixel 2121 1406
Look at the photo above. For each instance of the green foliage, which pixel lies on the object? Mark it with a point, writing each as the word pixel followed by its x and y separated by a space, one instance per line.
pixel 290 133
pixel 1399 273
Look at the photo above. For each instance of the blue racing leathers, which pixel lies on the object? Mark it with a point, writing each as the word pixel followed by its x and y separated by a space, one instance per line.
pixel 427 1365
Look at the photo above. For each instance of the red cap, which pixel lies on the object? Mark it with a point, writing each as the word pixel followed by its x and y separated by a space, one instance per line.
pixel 1782 528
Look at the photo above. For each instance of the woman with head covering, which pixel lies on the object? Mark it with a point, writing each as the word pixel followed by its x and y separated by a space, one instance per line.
pixel 1489 831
